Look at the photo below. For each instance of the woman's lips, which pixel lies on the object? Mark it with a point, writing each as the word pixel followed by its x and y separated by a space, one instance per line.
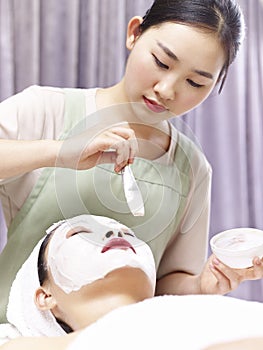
pixel 117 243
pixel 153 105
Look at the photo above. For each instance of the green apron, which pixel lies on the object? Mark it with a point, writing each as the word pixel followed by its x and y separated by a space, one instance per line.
pixel 63 193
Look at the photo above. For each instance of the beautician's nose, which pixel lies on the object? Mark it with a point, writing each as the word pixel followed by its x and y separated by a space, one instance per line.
pixel 114 234
pixel 165 89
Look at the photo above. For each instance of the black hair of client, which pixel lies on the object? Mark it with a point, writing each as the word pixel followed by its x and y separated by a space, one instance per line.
pixel 222 17
pixel 41 261
pixel 43 275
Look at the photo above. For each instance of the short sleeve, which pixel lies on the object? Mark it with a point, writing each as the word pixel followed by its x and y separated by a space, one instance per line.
pixel 187 250
pixel 35 113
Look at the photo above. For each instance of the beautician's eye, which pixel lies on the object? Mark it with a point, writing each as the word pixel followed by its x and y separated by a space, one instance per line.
pixel 191 82
pixel 159 63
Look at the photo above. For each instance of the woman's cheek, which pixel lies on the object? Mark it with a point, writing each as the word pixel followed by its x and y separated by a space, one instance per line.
pixel 140 67
pixel 188 101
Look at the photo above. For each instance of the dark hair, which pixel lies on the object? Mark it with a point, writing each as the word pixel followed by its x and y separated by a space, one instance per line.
pixel 223 17
pixel 41 261
pixel 43 275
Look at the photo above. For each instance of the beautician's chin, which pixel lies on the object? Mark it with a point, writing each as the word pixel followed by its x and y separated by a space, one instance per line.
pixel 148 116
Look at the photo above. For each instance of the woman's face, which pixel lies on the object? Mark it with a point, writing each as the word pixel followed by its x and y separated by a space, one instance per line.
pixel 86 248
pixel 95 264
pixel 171 68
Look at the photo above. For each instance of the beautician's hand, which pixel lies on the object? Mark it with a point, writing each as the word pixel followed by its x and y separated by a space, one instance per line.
pixel 115 145
pixel 218 278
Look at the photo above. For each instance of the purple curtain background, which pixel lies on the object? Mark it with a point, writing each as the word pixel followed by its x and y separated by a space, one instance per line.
pixel 81 43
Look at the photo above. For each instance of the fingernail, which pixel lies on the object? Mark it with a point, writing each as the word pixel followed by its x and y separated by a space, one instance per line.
pixel 211 266
pixel 216 261
pixel 258 261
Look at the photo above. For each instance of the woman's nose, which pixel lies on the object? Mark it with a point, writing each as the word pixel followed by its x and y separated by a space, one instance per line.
pixel 116 233
pixel 166 89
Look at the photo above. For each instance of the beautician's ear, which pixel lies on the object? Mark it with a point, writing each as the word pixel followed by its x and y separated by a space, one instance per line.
pixel 133 31
pixel 44 300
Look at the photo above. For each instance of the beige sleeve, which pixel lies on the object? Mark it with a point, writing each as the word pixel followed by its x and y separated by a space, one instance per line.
pixel 33 114
pixel 187 251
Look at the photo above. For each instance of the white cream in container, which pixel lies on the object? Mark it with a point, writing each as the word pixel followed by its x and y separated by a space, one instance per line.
pixel 237 247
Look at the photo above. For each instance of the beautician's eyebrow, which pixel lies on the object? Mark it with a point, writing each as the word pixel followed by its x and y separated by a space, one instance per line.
pixel 175 58
pixel 167 51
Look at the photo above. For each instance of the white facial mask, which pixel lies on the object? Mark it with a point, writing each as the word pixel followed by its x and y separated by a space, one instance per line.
pixel 86 257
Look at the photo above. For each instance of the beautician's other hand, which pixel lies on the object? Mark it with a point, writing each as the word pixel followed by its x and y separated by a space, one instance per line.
pixel 115 145
pixel 218 278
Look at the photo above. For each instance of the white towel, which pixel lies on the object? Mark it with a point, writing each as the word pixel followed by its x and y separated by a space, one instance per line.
pixel 22 312
pixel 8 332
pixel 190 322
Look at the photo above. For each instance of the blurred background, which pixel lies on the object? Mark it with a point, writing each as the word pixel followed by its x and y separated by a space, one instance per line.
pixel 81 43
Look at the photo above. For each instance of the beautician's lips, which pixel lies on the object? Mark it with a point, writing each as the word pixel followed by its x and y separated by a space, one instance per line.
pixel 117 243
pixel 154 106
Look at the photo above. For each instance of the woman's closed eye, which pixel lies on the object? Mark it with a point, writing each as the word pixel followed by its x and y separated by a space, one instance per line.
pixel 159 63
pixel 164 66
pixel 76 230
pixel 194 84
pixel 128 234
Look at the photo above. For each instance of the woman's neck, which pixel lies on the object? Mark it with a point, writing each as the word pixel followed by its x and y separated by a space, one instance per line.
pixel 120 287
pixel 91 313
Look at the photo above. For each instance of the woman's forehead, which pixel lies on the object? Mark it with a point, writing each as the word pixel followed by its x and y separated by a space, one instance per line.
pixel 95 223
pixel 92 221
pixel 98 225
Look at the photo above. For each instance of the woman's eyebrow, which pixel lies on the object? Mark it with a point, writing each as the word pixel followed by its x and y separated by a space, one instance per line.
pixel 175 58
pixel 204 74
pixel 167 51
pixel 78 229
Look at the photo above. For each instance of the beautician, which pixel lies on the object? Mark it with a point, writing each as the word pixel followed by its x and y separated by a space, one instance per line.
pixel 53 144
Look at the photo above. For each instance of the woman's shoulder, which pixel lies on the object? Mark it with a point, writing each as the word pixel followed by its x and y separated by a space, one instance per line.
pixel 39 90
pixel 188 151
pixel 52 91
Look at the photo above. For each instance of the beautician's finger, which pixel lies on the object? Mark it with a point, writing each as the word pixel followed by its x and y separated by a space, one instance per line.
pixel 257 267
pixel 118 139
pixel 229 275
pixel 126 150
pixel 124 142
pixel 108 138
pixel 254 272
pixel 134 149
pixel 107 157
pixel 122 154
pixel 223 284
